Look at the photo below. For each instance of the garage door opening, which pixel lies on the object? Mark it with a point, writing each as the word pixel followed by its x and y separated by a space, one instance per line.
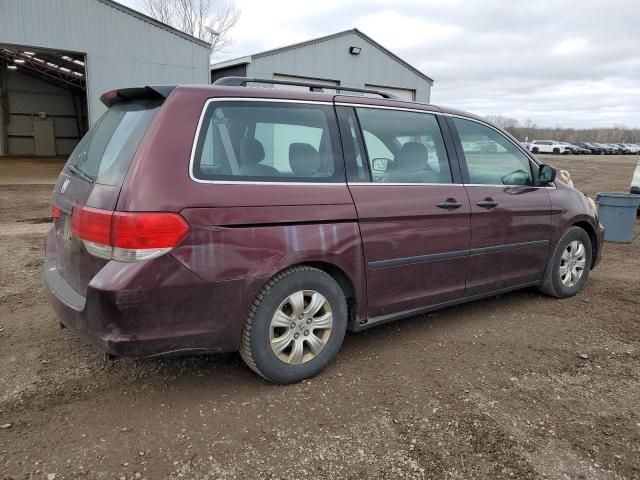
pixel 43 101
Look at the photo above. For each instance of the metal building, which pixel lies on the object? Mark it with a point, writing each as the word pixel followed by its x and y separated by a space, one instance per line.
pixel 349 59
pixel 58 57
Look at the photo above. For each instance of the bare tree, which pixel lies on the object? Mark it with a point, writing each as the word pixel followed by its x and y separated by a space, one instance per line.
pixel 209 20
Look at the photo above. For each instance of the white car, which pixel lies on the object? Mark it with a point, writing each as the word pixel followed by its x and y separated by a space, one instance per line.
pixel 635 181
pixel 634 149
pixel 549 146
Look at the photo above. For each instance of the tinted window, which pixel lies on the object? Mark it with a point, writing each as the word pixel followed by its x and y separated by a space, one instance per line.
pixel 490 157
pixel 267 141
pixel 404 147
pixel 105 152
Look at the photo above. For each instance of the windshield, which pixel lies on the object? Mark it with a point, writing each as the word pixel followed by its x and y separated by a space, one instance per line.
pixel 105 152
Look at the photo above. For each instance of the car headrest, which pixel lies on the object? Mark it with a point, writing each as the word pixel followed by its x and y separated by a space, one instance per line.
pixel 304 159
pixel 251 151
pixel 413 156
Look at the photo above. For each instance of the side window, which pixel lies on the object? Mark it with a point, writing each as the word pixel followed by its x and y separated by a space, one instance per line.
pixel 404 147
pixel 268 141
pixel 375 147
pixel 490 157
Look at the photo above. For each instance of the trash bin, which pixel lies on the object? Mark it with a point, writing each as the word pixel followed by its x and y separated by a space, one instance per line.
pixel 617 213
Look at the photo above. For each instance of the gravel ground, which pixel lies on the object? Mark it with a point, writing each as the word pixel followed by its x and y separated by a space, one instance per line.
pixel 520 386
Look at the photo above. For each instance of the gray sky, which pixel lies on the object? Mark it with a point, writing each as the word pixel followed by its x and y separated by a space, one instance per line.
pixel 557 62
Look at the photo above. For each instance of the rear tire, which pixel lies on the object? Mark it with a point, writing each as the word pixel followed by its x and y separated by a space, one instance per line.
pixel 295 325
pixel 535 150
pixel 568 268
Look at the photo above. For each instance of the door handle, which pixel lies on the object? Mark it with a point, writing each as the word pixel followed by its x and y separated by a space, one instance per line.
pixel 450 204
pixel 487 203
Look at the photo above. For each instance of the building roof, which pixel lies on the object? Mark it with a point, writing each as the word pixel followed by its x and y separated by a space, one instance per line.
pixel 247 59
pixel 157 23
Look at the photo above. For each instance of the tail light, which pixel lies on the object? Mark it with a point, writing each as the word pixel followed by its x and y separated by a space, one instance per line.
pixel 55 211
pixel 127 236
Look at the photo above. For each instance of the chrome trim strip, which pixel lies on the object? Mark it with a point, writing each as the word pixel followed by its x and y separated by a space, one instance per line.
pixel 386 107
pixel 506 186
pixel 382 184
pixel 246 182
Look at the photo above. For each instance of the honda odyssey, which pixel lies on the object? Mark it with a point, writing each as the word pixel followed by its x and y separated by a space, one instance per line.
pixel 265 221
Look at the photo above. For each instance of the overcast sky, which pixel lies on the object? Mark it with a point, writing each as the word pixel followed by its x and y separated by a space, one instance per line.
pixel 557 62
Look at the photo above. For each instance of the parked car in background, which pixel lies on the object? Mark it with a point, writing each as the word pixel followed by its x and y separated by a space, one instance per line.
pixel 549 146
pixel 593 149
pixel 608 149
pixel 615 150
pixel 624 150
pixel 574 149
pixel 221 218
pixel 629 149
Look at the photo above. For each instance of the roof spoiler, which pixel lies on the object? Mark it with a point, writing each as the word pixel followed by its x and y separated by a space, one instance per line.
pixel 313 87
pixel 122 94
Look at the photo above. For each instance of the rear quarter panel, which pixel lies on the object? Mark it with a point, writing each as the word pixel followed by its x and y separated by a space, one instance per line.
pixel 257 242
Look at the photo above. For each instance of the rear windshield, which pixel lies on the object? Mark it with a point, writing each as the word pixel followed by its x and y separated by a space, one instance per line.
pixel 268 141
pixel 105 152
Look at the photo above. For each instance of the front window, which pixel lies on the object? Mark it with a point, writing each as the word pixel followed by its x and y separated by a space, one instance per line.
pixel 267 141
pixel 491 158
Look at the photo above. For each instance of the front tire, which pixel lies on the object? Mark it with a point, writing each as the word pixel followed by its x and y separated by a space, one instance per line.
pixel 295 325
pixel 568 268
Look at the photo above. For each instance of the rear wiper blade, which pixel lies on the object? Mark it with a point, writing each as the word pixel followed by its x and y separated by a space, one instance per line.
pixel 80 173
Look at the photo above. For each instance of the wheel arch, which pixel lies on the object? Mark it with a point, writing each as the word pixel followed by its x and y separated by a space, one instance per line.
pixel 587 227
pixel 344 280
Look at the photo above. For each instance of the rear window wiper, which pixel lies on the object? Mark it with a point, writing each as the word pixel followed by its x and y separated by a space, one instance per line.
pixel 80 173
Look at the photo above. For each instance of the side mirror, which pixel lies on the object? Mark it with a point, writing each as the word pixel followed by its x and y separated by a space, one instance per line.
pixel 546 174
pixel 380 164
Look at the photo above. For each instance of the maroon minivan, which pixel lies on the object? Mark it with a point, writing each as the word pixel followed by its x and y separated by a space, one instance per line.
pixel 226 217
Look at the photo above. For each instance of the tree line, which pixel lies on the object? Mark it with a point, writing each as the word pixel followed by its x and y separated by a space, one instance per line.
pixel 528 131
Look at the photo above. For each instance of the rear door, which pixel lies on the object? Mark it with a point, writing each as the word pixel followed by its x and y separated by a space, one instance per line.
pixel 413 212
pixel 510 217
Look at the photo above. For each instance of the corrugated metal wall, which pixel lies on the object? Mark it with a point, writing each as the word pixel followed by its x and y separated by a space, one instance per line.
pixel 27 96
pixel 330 60
pixel 122 49
pixel 233 71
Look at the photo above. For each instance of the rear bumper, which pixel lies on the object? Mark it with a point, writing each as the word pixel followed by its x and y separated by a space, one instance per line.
pixel 151 308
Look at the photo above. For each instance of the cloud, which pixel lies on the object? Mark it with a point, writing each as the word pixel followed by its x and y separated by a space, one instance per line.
pixel 556 62
pixel 570 46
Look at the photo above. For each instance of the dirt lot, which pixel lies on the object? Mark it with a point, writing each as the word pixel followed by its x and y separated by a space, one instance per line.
pixel 521 386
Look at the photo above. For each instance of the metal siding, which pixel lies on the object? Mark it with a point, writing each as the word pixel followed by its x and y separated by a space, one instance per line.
pixel 330 59
pixel 122 50
pixel 233 71
pixel 26 97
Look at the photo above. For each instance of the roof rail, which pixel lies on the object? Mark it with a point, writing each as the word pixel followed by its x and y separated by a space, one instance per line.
pixel 313 87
